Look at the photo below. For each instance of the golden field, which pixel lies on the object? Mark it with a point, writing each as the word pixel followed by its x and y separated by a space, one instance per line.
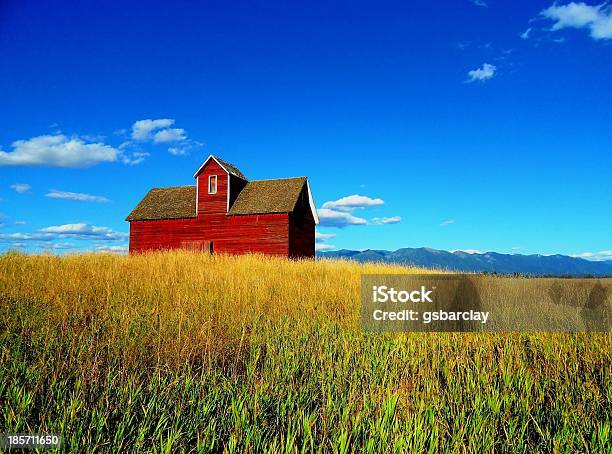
pixel 182 351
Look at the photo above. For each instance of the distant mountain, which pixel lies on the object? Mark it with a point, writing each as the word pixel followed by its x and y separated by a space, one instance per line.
pixel 487 262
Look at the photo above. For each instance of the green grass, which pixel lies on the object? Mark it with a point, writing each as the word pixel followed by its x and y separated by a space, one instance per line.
pixel 186 352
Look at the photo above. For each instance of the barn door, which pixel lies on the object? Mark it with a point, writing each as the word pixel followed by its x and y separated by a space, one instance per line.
pixel 198 245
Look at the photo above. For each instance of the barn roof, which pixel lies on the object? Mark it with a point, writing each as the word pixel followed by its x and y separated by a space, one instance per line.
pixel 229 168
pixel 257 197
pixel 268 196
pixel 166 203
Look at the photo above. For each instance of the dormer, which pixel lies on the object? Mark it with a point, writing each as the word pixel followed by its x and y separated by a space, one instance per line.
pixel 218 184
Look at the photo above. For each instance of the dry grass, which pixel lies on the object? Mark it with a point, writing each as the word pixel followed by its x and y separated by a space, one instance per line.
pixel 187 351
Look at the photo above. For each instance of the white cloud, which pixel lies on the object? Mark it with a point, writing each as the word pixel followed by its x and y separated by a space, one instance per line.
pixel 467 251
pixel 320 239
pixel 78 196
pixel 84 231
pixel 37 242
pixel 480 3
pixel 169 135
pixel 338 213
pixel 57 151
pixel 177 151
pixel 324 236
pixel 595 256
pixel 159 132
pixel 596 18
pixel 324 247
pixel 142 129
pixel 7 237
pixel 21 188
pixel 112 249
pixel 574 15
pixel 525 34
pixel 482 74
pixel 352 202
pixel 333 218
pixel 447 222
pixel 133 158
pixel 73 228
pixel 59 246
pixel 390 220
pixel 20 222
pixel 184 147
pixel 53 238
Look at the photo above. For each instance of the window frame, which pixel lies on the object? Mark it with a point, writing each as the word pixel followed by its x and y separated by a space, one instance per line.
pixel 210 179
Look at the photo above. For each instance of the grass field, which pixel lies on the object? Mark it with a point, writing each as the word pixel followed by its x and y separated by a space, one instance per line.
pixel 188 352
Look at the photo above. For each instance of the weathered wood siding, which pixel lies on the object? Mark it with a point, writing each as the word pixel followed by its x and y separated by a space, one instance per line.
pixel 264 233
pixel 212 203
pixel 284 234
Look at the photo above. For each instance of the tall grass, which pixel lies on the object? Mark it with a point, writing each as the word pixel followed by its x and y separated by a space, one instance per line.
pixel 188 352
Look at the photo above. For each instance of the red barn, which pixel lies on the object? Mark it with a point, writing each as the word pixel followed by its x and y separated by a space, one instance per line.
pixel 225 212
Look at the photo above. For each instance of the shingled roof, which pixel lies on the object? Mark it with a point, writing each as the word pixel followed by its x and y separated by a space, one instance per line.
pixel 268 196
pixel 166 203
pixel 229 168
pixel 257 197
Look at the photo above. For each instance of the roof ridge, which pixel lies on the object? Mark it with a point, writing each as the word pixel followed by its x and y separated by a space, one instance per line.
pixel 276 179
pixel 278 195
pixel 174 187
pixel 229 167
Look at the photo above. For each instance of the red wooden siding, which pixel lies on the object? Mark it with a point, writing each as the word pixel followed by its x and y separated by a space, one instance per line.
pixel 264 233
pixel 213 230
pixel 212 203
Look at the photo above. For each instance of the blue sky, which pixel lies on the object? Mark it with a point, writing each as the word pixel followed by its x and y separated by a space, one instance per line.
pixel 474 125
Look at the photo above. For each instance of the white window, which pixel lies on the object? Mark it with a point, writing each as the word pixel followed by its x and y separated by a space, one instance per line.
pixel 212 184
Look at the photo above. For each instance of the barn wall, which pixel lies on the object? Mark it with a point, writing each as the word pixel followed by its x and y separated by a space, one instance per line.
pixel 302 228
pixel 212 203
pixel 265 233
pixel 301 239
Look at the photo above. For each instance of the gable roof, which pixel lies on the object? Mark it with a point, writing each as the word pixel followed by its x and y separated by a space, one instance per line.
pixel 268 196
pixel 229 168
pixel 257 197
pixel 166 203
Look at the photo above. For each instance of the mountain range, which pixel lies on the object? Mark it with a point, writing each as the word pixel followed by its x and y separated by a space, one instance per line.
pixel 491 262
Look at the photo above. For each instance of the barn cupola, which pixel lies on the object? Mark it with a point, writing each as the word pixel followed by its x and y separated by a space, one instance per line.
pixel 218 184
